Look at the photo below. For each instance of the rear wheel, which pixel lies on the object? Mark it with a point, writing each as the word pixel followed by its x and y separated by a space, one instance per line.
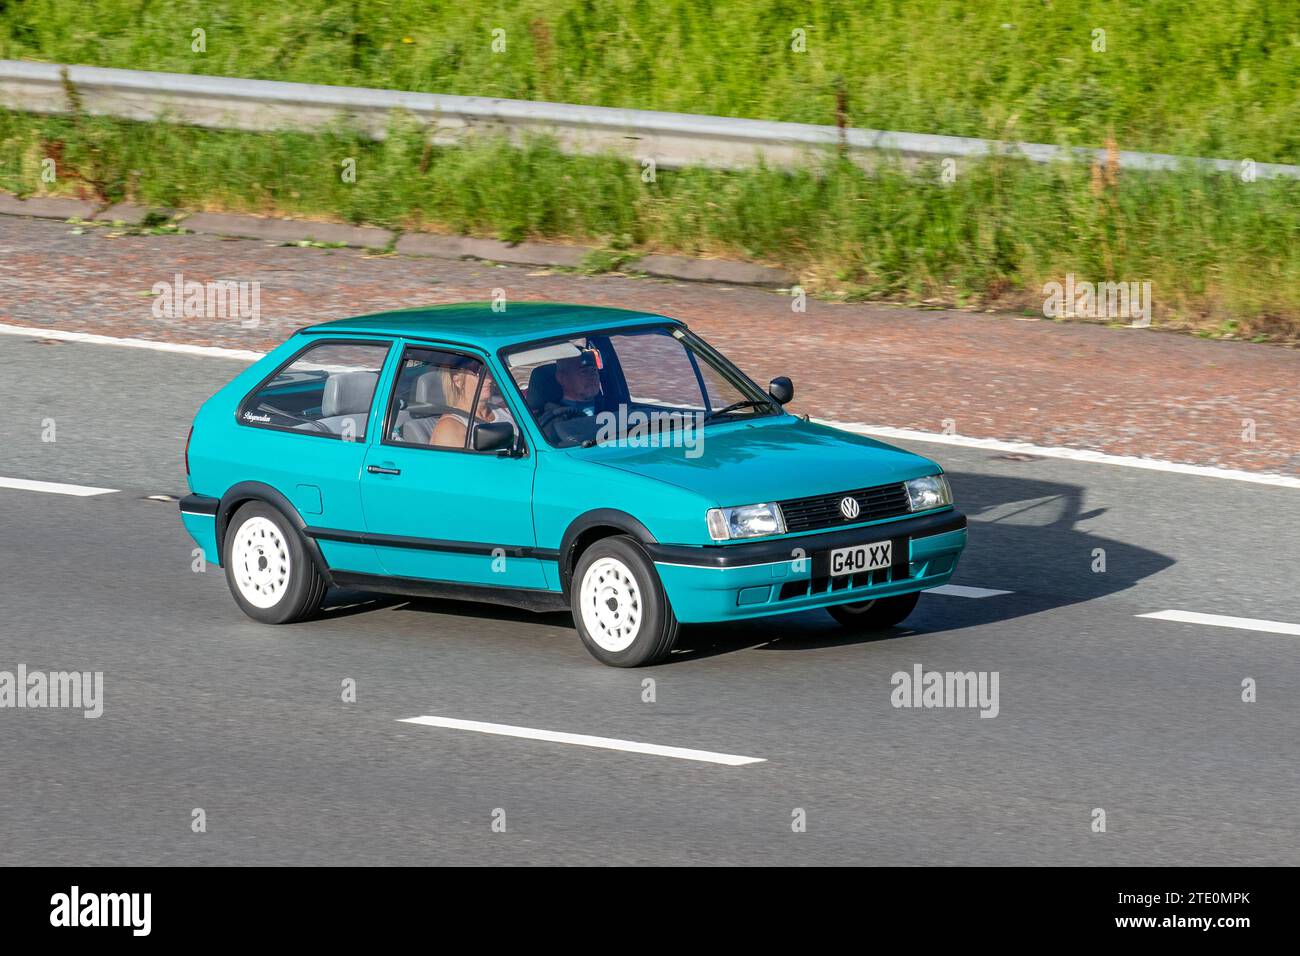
pixel 269 572
pixel 876 614
pixel 619 605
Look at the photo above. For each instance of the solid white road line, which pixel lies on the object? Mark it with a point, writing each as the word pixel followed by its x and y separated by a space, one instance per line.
pixel 1220 620
pixel 876 431
pixel 1070 454
pixel 961 590
pixel 88 338
pixel 54 487
pixel 583 740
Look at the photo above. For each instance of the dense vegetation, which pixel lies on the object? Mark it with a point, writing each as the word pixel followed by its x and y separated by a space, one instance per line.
pixel 1194 77
pixel 1202 77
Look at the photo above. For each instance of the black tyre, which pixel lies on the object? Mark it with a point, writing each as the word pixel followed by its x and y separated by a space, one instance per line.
pixel 619 605
pixel 269 572
pixel 874 615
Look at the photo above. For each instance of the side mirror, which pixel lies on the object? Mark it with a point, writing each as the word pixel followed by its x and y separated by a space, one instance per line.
pixel 782 389
pixel 494 436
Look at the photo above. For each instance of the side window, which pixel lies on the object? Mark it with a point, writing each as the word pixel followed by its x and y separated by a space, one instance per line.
pixel 327 390
pixel 491 407
pixel 439 397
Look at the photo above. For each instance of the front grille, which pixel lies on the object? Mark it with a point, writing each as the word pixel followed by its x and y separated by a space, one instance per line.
pixel 816 587
pixel 823 511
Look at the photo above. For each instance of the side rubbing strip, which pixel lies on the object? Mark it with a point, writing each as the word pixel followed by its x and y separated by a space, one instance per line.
pixel 432 544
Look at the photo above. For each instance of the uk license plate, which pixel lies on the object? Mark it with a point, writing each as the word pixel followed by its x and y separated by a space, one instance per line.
pixel 861 557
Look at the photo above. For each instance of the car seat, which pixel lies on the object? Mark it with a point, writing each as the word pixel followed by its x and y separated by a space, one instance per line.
pixel 416 422
pixel 347 397
pixel 543 389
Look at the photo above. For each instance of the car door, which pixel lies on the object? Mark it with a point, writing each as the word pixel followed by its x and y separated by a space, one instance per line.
pixel 435 508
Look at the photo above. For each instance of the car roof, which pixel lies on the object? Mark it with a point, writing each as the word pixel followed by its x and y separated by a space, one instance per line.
pixel 476 324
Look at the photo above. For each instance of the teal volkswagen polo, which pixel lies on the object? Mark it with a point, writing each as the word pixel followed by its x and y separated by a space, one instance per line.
pixel 603 461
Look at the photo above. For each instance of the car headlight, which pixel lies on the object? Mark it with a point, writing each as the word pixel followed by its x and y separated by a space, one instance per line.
pixel 745 521
pixel 929 492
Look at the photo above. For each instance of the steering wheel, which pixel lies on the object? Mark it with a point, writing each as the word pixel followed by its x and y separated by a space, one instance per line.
pixel 559 414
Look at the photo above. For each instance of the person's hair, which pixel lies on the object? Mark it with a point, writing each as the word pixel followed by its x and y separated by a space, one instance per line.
pixel 464 365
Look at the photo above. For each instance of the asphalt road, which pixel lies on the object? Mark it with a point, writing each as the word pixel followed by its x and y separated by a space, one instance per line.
pixel 203 708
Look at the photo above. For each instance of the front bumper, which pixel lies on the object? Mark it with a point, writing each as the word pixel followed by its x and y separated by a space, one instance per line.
pixel 780 575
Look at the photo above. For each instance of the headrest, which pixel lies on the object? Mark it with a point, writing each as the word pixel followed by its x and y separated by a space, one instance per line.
pixel 348 393
pixel 430 387
pixel 542 387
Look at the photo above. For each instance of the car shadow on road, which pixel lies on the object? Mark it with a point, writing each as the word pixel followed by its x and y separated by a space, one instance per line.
pixel 343 602
pixel 1028 536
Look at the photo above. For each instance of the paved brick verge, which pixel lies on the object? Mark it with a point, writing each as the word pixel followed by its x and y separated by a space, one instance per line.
pixel 1121 391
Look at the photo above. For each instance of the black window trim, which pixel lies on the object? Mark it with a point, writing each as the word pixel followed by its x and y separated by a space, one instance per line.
pixel 451 348
pixel 730 371
pixel 315 343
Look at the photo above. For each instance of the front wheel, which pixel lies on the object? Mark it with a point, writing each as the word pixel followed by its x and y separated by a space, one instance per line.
pixel 876 614
pixel 267 566
pixel 619 605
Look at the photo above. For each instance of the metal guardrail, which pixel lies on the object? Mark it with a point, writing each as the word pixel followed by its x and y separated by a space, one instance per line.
pixel 672 140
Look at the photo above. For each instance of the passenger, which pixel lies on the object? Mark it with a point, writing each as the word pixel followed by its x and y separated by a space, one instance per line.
pixel 462 383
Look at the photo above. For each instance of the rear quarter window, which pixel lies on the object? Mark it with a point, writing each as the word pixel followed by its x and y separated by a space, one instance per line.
pixel 327 390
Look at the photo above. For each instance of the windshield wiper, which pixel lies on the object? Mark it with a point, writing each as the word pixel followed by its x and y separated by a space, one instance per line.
pixel 736 406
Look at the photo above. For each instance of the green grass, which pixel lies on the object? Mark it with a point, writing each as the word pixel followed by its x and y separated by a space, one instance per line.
pixel 1222 255
pixel 1195 77
pixel 1199 77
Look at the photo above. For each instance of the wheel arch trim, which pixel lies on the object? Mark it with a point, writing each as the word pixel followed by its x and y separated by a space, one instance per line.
pixel 589 520
pixel 245 491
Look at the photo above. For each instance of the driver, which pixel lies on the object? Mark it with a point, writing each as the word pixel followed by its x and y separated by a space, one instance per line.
pixel 579 382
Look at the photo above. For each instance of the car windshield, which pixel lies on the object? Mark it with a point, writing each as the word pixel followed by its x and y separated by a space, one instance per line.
pixel 636 384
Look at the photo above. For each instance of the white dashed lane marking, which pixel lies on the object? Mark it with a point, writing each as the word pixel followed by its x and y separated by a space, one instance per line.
pixel 961 590
pixel 1221 620
pixel 583 740
pixel 54 487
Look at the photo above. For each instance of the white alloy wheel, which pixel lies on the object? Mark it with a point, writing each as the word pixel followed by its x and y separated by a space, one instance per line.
pixel 259 560
pixel 611 604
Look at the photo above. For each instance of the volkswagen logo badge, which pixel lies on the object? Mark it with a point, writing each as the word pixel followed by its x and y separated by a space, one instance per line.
pixel 849 508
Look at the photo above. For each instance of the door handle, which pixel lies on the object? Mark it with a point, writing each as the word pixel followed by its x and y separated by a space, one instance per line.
pixel 378 470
